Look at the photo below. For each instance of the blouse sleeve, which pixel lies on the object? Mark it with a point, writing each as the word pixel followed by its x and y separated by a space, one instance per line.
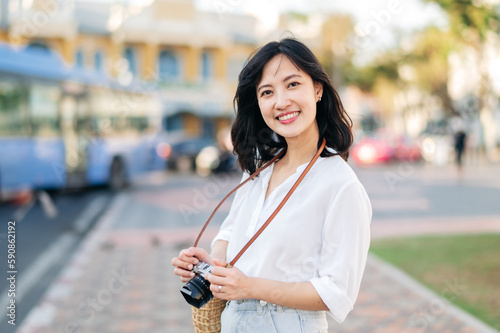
pixel 226 228
pixel 346 239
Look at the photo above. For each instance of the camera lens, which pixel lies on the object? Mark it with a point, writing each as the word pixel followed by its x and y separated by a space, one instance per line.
pixel 197 291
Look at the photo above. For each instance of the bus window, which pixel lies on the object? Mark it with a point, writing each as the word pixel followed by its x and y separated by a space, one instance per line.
pixel 13 116
pixel 44 101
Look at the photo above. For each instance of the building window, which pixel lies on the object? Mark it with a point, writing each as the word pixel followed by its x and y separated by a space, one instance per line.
pixel 168 66
pixel 14 98
pixel 131 57
pixel 208 128
pixel 38 47
pixel 174 123
pixel 206 66
pixel 79 60
pixel 44 101
pixel 98 62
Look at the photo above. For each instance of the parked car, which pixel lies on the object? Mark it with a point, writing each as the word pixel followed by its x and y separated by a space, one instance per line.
pixel 406 149
pixel 183 153
pixel 385 147
pixel 372 151
pixel 213 160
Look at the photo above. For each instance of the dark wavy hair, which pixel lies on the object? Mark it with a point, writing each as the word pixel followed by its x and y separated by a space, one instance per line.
pixel 254 142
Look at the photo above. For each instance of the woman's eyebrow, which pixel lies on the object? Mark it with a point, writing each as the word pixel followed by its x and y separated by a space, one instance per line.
pixel 291 76
pixel 264 86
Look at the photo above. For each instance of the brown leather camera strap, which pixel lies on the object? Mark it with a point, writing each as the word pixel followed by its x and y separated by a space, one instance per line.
pixel 280 206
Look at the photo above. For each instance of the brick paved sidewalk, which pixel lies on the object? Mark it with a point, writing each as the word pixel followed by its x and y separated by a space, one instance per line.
pixel 121 280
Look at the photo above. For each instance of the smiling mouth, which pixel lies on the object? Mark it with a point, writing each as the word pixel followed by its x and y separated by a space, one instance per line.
pixel 288 116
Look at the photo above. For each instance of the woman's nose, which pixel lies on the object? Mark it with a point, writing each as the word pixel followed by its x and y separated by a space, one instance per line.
pixel 282 101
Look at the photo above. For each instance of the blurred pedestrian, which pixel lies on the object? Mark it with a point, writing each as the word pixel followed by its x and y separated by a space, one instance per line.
pixel 460 138
pixel 310 259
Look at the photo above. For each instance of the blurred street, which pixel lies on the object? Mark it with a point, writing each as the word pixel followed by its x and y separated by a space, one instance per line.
pixel 120 278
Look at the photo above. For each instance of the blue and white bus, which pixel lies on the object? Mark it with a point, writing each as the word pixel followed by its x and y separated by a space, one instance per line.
pixel 63 128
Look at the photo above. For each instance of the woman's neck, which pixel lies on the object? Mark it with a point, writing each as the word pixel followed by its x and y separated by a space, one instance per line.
pixel 300 150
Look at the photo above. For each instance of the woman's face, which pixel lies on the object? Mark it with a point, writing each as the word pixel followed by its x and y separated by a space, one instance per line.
pixel 287 98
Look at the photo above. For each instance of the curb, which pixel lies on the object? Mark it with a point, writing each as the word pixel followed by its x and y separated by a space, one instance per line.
pixel 433 298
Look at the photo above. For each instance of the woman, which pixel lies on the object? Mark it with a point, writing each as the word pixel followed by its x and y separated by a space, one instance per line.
pixel 309 261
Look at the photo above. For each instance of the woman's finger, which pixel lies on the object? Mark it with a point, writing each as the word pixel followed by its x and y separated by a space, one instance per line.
pixel 200 254
pixel 182 264
pixel 217 280
pixel 185 279
pixel 220 271
pixel 217 288
pixel 220 263
pixel 183 273
pixel 189 259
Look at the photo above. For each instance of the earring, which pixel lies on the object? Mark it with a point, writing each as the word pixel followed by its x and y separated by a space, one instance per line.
pixel 319 100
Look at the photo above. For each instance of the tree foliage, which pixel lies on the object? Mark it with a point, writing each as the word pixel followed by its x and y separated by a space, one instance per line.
pixel 471 20
pixel 429 60
pixel 365 78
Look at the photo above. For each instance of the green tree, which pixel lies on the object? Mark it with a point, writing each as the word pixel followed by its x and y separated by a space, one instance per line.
pixel 379 78
pixel 429 61
pixel 335 55
pixel 470 20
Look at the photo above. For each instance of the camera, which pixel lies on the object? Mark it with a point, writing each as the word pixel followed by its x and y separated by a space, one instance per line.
pixel 197 290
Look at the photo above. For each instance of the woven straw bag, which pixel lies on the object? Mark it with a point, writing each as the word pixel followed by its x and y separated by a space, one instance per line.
pixel 207 318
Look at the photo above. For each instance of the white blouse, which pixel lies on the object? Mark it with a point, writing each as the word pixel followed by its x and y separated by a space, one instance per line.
pixel 321 235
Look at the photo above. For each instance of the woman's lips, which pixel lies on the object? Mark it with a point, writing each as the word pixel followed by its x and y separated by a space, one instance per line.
pixel 288 117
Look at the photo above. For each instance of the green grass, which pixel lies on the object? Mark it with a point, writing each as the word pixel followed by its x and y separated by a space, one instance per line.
pixel 471 262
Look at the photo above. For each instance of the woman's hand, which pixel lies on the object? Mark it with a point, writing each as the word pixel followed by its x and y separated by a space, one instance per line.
pixel 233 283
pixel 187 259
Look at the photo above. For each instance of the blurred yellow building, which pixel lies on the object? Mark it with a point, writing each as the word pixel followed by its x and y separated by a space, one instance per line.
pixel 192 57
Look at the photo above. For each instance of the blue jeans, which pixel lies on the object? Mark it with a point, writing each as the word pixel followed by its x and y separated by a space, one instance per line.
pixel 250 315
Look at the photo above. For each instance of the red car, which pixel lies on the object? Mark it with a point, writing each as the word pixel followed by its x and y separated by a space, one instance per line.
pixel 385 148
pixel 372 151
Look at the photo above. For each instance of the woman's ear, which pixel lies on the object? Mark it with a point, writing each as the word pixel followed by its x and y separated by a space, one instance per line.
pixel 318 89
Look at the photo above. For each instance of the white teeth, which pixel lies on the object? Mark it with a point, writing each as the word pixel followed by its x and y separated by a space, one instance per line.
pixel 288 116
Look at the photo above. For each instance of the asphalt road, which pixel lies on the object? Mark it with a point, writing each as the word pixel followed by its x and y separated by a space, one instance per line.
pixel 418 192
pixel 399 193
pixel 44 241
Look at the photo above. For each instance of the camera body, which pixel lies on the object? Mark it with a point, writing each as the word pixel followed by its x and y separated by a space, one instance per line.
pixel 197 290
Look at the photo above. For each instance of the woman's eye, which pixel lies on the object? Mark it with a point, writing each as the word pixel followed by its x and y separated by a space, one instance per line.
pixel 266 92
pixel 293 84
